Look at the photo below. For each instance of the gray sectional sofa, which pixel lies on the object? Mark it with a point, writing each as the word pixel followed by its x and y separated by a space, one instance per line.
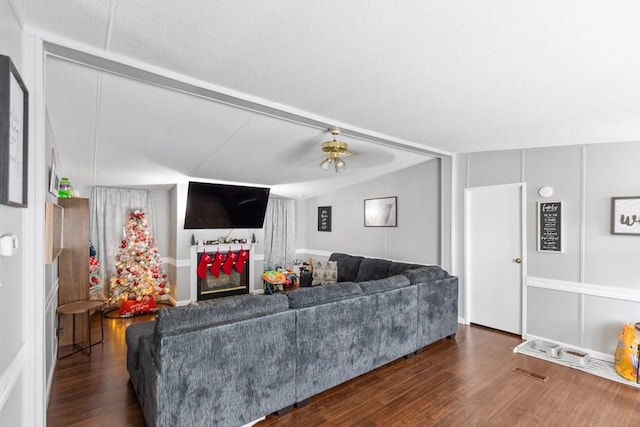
pixel 233 360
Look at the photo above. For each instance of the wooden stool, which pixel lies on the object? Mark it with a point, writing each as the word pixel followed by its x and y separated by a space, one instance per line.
pixel 81 307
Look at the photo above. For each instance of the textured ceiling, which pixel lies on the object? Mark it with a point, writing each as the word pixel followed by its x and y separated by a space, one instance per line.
pixel 456 76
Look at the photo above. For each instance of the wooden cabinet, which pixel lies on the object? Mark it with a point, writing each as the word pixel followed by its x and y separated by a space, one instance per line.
pixel 73 264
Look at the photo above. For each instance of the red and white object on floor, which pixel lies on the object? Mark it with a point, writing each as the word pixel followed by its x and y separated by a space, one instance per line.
pixel 142 305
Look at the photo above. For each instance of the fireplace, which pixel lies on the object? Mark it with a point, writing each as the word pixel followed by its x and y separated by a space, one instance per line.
pixel 224 282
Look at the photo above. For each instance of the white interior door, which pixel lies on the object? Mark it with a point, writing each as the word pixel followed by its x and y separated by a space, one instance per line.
pixel 494 253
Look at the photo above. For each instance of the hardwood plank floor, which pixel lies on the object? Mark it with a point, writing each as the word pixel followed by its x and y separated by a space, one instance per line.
pixel 467 381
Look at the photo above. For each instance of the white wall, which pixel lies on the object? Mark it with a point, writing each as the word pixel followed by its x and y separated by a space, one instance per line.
pixel 50 280
pixel 11 268
pixel 417 238
pixel 182 239
pixel 582 296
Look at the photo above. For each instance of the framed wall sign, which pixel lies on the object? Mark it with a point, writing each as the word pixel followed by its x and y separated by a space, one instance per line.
pixel 625 215
pixel 381 212
pixel 14 108
pixel 324 218
pixel 550 227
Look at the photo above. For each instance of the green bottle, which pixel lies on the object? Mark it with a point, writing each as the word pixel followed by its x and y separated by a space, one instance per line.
pixel 64 190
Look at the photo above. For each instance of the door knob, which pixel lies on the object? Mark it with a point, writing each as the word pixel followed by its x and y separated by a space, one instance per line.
pixel 518 261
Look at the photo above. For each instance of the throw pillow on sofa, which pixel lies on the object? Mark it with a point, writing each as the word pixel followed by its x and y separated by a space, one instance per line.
pixel 324 272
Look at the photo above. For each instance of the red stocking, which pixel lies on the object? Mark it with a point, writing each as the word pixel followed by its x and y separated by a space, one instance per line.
pixel 217 262
pixel 228 263
pixel 242 258
pixel 202 267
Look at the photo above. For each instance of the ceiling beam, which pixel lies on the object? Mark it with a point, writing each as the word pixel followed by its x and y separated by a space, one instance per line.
pixel 102 63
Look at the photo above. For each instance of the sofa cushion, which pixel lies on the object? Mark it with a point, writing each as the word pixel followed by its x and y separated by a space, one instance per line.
pixel 425 274
pixel 324 272
pixel 307 297
pixel 400 267
pixel 373 269
pixel 216 311
pixel 386 284
pixel 348 266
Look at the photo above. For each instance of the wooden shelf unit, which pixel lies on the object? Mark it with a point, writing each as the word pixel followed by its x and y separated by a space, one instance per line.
pixel 73 264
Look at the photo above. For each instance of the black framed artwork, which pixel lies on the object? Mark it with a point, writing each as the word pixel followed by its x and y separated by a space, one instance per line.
pixel 324 218
pixel 14 112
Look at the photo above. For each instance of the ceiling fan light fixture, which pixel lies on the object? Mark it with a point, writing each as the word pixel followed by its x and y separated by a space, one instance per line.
pixel 325 163
pixel 335 149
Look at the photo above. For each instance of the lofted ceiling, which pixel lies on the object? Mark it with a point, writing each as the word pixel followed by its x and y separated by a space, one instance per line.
pixel 406 80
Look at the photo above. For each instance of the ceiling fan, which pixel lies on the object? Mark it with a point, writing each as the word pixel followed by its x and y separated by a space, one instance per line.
pixel 336 150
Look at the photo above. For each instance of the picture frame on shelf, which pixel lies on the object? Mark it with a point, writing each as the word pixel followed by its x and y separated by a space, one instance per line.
pixel 14 142
pixel 381 212
pixel 625 215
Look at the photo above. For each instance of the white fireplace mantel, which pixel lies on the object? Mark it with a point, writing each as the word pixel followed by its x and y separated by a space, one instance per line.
pixel 196 250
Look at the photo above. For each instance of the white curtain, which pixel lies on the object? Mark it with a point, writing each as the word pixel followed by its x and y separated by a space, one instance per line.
pixel 110 208
pixel 279 233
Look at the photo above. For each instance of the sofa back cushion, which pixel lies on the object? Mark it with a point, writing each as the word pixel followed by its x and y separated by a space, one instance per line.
pixel 217 311
pixel 348 266
pixel 425 274
pixel 307 297
pixel 400 267
pixel 373 269
pixel 382 285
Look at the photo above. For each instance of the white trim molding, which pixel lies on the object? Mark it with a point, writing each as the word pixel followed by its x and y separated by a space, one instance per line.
pixel 625 294
pixel 10 375
pixel 315 252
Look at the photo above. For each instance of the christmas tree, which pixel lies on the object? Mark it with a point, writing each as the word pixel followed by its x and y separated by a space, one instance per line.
pixel 138 275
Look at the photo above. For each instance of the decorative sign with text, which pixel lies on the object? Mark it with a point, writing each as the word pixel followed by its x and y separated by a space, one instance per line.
pixel 550 227
pixel 625 215
pixel 324 218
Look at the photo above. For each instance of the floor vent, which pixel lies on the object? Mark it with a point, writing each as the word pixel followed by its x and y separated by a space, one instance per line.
pixel 535 375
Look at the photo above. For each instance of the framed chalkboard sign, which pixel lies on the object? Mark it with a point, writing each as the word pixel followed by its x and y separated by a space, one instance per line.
pixel 324 218
pixel 550 227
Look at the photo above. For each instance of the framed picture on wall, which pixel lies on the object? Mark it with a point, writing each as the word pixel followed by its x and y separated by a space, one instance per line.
pixel 324 218
pixel 381 212
pixel 550 227
pixel 54 181
pixel 14 107
pixel 625 215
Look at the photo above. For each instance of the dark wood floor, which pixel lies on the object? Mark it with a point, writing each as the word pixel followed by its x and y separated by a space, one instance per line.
pixel 466 381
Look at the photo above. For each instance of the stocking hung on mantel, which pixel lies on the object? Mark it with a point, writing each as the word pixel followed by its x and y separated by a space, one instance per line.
pixel 138 279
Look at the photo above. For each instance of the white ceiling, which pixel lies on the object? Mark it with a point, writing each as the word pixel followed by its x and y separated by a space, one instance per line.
pixel 449 75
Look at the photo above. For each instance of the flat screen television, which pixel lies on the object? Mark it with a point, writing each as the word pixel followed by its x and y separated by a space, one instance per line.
pixel 225 206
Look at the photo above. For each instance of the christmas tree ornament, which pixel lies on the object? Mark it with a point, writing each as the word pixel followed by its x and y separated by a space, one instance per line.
pixel 228 263
pixel 217 262
pixel 243 255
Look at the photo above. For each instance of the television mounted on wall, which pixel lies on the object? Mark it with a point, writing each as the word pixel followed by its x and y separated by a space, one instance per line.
pixel 225 206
